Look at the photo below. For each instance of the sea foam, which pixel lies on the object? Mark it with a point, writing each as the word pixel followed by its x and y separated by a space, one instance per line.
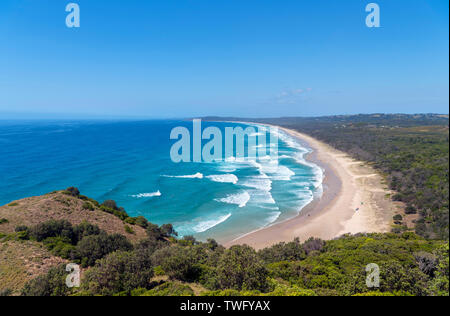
pixel 147 195
pixel 240 199
pixel 208 224
pixel 193 176
pixel 224 178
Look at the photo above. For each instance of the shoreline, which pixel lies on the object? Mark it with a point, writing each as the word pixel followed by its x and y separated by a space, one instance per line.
pixel 354 200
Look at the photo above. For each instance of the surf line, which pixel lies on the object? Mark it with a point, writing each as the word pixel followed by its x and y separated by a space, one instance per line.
pixel 213 151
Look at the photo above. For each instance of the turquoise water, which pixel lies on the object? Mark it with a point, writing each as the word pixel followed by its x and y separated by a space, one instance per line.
pixel 129 162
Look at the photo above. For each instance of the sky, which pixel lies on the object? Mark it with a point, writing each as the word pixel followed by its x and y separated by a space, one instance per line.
pixel 252 58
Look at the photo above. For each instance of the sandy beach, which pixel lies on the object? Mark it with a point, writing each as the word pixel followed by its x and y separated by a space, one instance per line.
pixel 354 200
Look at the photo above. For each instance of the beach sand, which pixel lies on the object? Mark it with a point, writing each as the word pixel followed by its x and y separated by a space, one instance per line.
pixel 354 200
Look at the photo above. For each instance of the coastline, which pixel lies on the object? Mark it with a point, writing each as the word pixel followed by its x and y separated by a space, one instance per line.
pixel 348 185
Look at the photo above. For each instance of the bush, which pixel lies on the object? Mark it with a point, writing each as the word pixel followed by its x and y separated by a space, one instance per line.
pixel 94 247
pixel 51 284
pixel 72 191
pixel 119 272
pixel 60 247
pixel 110 204
pixel 170 289
pixel 283 251
pixel 168 231
pixel 88 206
pixel 85 229
pixel 240 268
pixel 427 262
pixel 410 210
pixel 154 232
pixel 179 263
pixel 142 222
pixel 3 221
pixel 53 228
pixel 313 244
pixel 21 228
pixel 128 229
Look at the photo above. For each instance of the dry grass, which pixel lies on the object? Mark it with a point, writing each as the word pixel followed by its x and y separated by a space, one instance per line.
pixel 21 261
pixel 59 206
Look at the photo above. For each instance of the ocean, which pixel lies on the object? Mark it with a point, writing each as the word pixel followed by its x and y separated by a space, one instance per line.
pixel 130 162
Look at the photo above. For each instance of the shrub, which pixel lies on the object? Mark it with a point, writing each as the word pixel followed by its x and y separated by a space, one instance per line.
pixel 110 204
pixel 168 231
pixel 170 289
pixel 240 268
pixel 3 221
pixel 94 247
pixel 51 284
pixel 427 262
pixel 72 191
pixel 313 244
pixel 283 251
pixel 88 206
pixel 85 229
pixel 119 272
pixel 52 228
pixel 60 247
pixel 410 210
pixel 179 263
pixel 142 221
pixel 159 271
pixel 21 228
pixel 130 220
pixel 128 229
pixel 154 232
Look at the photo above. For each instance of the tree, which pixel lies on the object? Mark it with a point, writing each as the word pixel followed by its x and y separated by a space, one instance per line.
pixel 110 204
pixel 168 231
pixel 73 191
pixel 94 247
pixel 119 272
pixel 180 263
pixel 51 284
pixel 240 268
pixel 53 228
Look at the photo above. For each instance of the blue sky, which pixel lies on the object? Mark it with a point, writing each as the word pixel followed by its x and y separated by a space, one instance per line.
pixel 177 58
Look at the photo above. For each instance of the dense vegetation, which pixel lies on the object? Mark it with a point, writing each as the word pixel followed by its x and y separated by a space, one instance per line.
pixel 164 265
pixel 411 150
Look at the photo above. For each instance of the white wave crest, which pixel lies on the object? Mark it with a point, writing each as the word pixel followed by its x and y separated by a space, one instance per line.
pixel 193 176
pixel 224 178
pixel 208 224
pixel 261 182
pixel 240 199
pixel 147 195
pixel 272 218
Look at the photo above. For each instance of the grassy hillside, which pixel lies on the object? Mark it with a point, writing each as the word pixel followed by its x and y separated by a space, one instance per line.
pixel 61 205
